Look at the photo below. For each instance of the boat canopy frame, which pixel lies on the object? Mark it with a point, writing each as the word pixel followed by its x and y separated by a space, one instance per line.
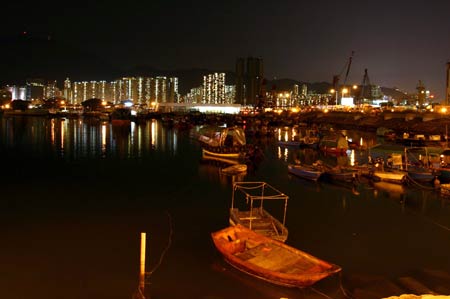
pixel 259 191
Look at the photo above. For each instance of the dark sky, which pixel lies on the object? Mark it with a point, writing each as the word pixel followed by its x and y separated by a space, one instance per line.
pixel 399 42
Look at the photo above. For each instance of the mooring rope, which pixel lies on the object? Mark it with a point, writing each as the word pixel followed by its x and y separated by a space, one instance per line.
pixel 410 179
pixel 169 243
pixel 321 293
pixel 341 287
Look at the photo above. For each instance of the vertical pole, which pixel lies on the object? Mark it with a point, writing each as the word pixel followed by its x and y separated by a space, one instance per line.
pixel 142 263
pixel 447 86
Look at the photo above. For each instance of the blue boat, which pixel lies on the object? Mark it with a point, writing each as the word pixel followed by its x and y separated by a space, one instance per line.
pixel 309 172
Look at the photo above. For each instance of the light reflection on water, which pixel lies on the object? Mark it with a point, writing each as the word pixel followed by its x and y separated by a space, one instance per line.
pixel 77 138
pixel 88 216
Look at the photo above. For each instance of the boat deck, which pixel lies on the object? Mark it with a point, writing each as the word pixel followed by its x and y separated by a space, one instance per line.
pixel 259 223
pixel 272 257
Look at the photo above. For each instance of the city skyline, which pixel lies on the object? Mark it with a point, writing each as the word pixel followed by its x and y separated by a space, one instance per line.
pixel 399 42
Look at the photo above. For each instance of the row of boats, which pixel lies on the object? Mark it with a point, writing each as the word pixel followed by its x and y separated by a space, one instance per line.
pixel 254 241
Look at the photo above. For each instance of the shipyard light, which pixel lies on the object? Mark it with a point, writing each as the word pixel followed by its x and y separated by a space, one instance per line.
pixel 443 110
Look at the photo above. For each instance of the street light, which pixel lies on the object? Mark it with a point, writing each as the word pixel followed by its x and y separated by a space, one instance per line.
pixel 335 91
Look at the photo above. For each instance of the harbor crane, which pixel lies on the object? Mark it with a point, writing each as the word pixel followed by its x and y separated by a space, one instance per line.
pixel 346 68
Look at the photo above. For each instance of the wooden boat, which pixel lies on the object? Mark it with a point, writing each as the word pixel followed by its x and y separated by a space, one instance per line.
pixel 397 177
pixel 334 144
pixel 309 172
pixel 234 169
pixel 270 260
pixel 258 218
pixel 341 174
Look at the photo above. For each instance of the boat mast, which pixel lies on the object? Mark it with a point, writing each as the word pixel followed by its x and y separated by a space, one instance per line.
pixel 406 159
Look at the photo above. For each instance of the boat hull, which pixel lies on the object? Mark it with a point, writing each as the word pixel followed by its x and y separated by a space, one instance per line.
pixel 270 260
pixel 390 176
pixel 308 173
pixel 222 154
pixel 234 169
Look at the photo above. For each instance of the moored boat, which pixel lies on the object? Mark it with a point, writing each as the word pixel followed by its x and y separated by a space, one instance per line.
pixel 334 143
pixel 270 260
pixel 229 143
pixel 341 174
pixel 393 176
pixel 309 172
pixel 234 169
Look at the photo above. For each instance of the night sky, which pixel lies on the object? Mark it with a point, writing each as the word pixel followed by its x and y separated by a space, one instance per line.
pixel 399 42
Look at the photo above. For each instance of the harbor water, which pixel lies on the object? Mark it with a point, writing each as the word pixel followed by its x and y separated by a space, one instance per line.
pixel 76 194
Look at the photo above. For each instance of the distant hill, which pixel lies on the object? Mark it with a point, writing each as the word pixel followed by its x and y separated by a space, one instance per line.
pixel 287 84
pixel 38 56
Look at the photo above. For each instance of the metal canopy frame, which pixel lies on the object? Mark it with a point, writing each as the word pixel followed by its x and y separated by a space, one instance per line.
pixel 259 191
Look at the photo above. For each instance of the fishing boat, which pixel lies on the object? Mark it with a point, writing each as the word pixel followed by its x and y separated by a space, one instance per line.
pixel 388 172
pixel 397 177
pixel 234 169
pixel 334 143
pixel 269 259
pixel 229 143
pixel 244 212
pixel 309 172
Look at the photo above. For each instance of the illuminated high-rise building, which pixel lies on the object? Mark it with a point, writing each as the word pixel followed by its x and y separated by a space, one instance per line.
pixel 139 90
pixel 230 94
pixel 67 91
pixel 173 96
pixel 51 90
pixel 17 92
pixel 214 88
pixel 35 89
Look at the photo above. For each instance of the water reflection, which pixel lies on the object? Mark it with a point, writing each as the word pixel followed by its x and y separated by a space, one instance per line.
pixel 79 138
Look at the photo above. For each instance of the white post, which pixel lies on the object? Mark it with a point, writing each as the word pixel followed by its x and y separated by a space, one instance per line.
pixel 142 263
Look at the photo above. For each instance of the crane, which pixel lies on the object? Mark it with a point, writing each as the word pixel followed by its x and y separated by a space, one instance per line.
pixel 346 67
pixel 336 78
pixel 365 82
